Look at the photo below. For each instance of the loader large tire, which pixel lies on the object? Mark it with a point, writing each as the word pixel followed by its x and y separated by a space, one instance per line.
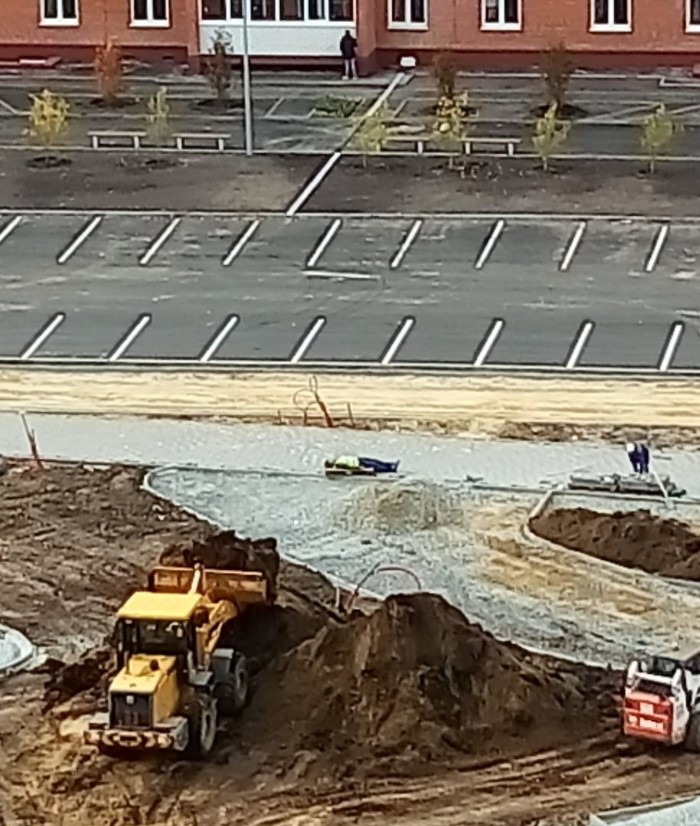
pixel 692 735
pixel 232 693
pixel 203 724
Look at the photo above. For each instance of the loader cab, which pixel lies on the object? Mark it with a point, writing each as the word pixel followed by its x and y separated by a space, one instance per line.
pixel 151 623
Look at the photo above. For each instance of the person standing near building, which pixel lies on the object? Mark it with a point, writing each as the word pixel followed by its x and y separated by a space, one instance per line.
pixel 348 51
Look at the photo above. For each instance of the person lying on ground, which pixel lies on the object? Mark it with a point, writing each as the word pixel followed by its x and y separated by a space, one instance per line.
pixel 355 463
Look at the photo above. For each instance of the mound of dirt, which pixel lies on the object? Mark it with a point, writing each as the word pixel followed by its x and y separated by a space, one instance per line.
pixel 636 539
pixel 415 682
pixel 399 508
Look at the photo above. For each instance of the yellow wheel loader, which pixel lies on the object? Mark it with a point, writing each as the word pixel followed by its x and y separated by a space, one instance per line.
pixel 175 678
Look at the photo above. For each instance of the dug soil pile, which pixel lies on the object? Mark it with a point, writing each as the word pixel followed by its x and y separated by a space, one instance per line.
pixel 635 539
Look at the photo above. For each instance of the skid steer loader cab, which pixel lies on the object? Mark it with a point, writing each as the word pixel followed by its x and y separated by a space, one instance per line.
pixel 661 698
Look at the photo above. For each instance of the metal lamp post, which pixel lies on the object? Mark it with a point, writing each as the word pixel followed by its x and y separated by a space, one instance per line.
pixel 247 99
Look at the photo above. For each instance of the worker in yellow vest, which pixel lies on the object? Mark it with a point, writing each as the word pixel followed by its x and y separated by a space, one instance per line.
pixel 357 463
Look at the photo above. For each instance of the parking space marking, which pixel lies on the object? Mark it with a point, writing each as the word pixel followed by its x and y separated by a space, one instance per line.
pixel 324 242
pixel 572 246
pixel 311 334
pixel 274 107
pixel 10 227
pixel 579 344
pixel 240 242
pixel 79 239
pixel 130 337
pixel 489 341
pixel 158 242
pixel 332 275
pixel 675 334
pixel 490 243
pixel 657 246
pixel 405 245
pixel 312 185
pixel 397 340
pixel 219 337
pixel 43 335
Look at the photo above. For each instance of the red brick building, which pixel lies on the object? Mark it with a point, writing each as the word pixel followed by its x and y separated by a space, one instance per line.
pixel 481 33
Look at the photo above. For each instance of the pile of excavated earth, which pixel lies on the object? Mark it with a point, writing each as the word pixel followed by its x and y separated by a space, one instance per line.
pixel 633 539
pixel 396 712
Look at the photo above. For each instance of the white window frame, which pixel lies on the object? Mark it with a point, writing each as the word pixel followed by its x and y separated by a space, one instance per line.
pixel 407 25
pixel 501 26
pixel 692 28
pixel 229 20
pixel 150 22
pixel 60 20
pixel 611 27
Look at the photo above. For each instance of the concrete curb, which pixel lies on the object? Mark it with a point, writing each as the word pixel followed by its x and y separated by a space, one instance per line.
pixel 612 816
pixel 24 651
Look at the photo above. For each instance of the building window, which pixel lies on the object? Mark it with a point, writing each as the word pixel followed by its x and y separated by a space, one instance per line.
pixel 611 15
pixel 407 14
pixel 287 11
pixel 149 13
pixel 692 22
pixel 501 14
pixel 59 12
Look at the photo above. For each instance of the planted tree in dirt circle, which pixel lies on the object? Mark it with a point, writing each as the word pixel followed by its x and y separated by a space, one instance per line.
pixel 48 119
pixel 556 68
pixel 659 131
pixel 551 134
pixel 449 129
pixel 218 69
pixel 109 70
pixel 158 117
pixel 372 133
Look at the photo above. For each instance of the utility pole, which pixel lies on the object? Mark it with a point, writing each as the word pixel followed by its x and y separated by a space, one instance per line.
pixel 247 99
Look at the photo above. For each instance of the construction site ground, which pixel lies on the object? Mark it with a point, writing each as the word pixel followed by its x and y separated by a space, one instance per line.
pixel 349 721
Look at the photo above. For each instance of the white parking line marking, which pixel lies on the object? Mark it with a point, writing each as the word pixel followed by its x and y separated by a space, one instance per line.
pixel 219 337
pixel 657 246
pixel 312 185
pixel 341 276
pixel 133 333
pixel 398 338
pixel 410 237
pixel 10 227
pixel 274 107
pixel 324 242
pixel 40 338
pixel 79 239
pixel 494 332
pixel 158 242
pixel 580 342
pixel 307 339
pixel 573 245
pixel 491 242
pixel 675 334
pixel 242 240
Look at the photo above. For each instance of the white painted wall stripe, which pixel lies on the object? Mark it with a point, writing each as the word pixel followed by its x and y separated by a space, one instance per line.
pixel 240 242
pixel 79 239
pixel 10 227
pixel 312 185
pixel 657 246
pixel 158 242
pixel 491 241
pixel 494 332
pixel 43 335
pixel 397 340
pixel 307 339
pixel 584 333
pixel 674 339
pixel 324 242
pixel 219 338
pixel 132 334
pixel 408 240
pixel 572 246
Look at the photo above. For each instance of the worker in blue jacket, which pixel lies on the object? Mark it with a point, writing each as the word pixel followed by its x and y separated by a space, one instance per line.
pixel 638 454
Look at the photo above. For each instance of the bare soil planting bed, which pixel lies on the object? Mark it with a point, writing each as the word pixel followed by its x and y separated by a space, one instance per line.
pixel 111 179
pixel 403 713
pixel 509 185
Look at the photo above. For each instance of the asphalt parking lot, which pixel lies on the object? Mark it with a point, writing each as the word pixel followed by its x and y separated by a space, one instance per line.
pixel 327 288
